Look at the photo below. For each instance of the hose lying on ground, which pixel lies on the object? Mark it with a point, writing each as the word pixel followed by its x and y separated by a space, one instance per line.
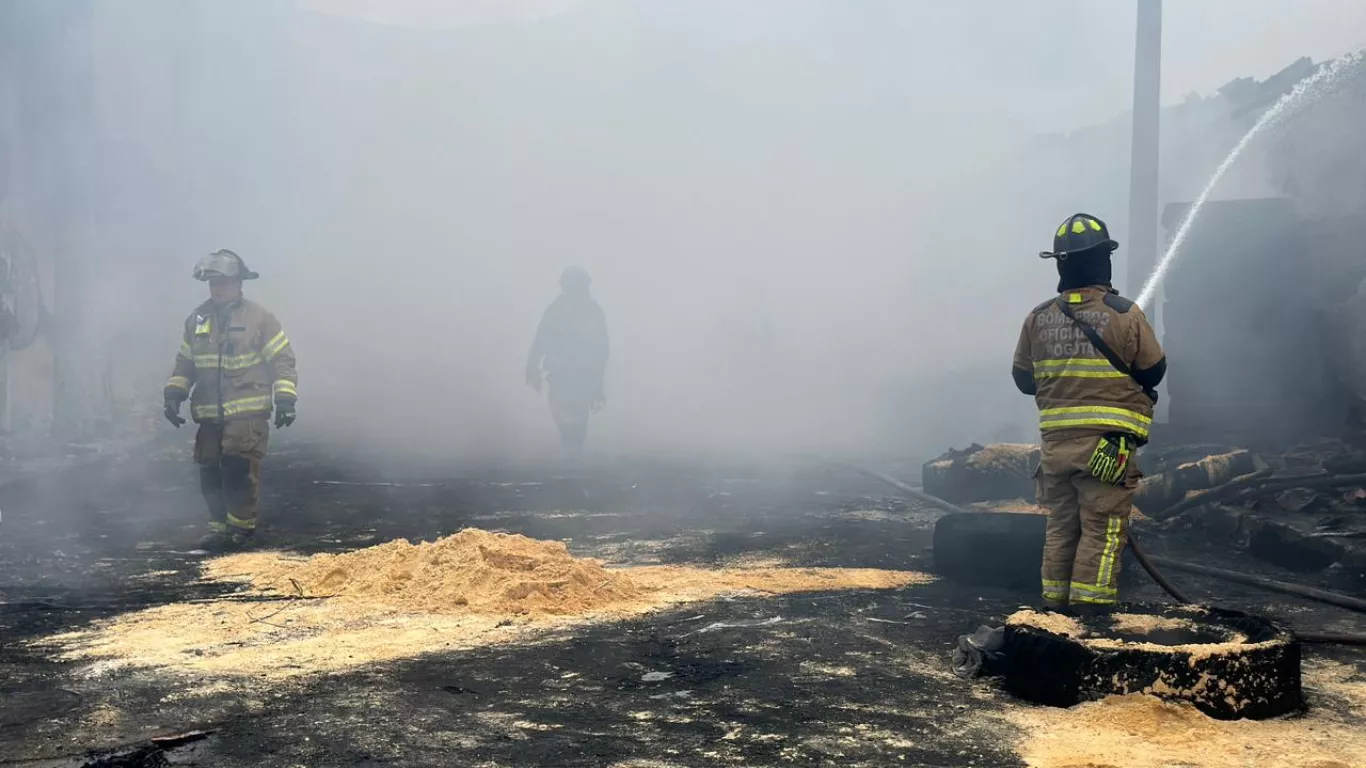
pixel 1150 565
pixel 1323 596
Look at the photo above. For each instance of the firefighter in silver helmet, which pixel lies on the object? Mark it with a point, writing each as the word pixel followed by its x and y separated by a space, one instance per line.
pixel 236 367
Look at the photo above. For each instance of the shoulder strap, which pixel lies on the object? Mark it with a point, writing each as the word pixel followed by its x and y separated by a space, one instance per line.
pixel 1093 336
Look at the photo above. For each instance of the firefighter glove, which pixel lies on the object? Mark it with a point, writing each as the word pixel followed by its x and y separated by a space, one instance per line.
pixel 1110 461
pixel 284 415
pixel 173 413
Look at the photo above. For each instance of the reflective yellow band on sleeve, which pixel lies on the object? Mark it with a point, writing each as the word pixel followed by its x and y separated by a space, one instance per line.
pixel 178 382
pixel 276 345
pixel 285 387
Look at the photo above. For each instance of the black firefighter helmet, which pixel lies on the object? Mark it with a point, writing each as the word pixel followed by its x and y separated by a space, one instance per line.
pixel 1081 234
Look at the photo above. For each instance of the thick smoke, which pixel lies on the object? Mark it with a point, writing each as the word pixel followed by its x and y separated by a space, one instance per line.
pixel 811 224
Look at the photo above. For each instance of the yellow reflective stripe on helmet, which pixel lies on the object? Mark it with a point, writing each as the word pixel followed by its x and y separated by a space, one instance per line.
pixel 244 524
pixel 229 362
pixel 276 345
pixel 1109 556
pixel 1062 230
pixel 285 387
pixel 1093 224
pixel 178 382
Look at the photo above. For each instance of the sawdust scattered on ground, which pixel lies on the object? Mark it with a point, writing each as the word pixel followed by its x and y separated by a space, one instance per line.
pixel 1013 506
pixel 1145 623
pixel 1003 456
pixel 399 599
pixel 1139 731
pixel 1058 624
pixel 1048 621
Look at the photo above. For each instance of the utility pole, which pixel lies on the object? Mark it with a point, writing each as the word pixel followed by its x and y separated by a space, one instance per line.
pixel 1143 160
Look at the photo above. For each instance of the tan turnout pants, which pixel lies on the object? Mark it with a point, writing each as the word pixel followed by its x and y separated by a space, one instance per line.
pixel 1088 524
pixel 229 457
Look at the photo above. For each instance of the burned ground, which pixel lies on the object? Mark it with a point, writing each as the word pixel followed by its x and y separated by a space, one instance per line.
pixel 848 678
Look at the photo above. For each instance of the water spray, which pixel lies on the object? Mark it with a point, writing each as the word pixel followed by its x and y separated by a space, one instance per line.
pixel 1312 87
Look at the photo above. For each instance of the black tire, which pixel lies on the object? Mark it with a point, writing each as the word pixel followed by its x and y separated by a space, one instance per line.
pixel 1255 679
pixel 999 549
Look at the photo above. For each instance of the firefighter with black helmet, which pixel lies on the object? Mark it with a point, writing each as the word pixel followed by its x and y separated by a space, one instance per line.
pixel 1092 363
pixel 236 367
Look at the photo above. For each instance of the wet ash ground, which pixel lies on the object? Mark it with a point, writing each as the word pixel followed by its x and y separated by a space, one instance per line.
pixel 850 678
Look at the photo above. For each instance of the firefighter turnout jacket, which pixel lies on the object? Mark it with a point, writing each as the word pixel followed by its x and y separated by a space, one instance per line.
pixel 236 360
pixel 1078 391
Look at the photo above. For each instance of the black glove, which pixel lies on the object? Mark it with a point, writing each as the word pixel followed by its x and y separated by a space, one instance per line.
pixel 173 412
pixel 284 415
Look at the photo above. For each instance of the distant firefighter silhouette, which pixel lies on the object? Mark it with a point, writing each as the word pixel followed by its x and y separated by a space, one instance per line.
pixel 570 353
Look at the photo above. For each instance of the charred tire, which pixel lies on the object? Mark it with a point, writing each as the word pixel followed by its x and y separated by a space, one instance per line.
pixel 1255 679
pixel 998 549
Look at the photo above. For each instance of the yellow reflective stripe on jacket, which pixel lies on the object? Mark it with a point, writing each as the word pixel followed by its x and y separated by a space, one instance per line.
pixel 1095 416
pixel 275 345
pixel 238 407
pixel 229 362
pixel 285 387
pixel 1076 367
pixel 178 382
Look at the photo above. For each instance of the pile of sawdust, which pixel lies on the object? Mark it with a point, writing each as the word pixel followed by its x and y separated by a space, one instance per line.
pixel 399 600
pixel 1056 623
pixel 473 571
pixel 1139 731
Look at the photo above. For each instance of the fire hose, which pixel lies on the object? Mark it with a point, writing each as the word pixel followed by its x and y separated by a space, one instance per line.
pixel 1150 564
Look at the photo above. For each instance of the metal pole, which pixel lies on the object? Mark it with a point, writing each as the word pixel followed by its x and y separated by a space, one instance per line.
pixel 1143 161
